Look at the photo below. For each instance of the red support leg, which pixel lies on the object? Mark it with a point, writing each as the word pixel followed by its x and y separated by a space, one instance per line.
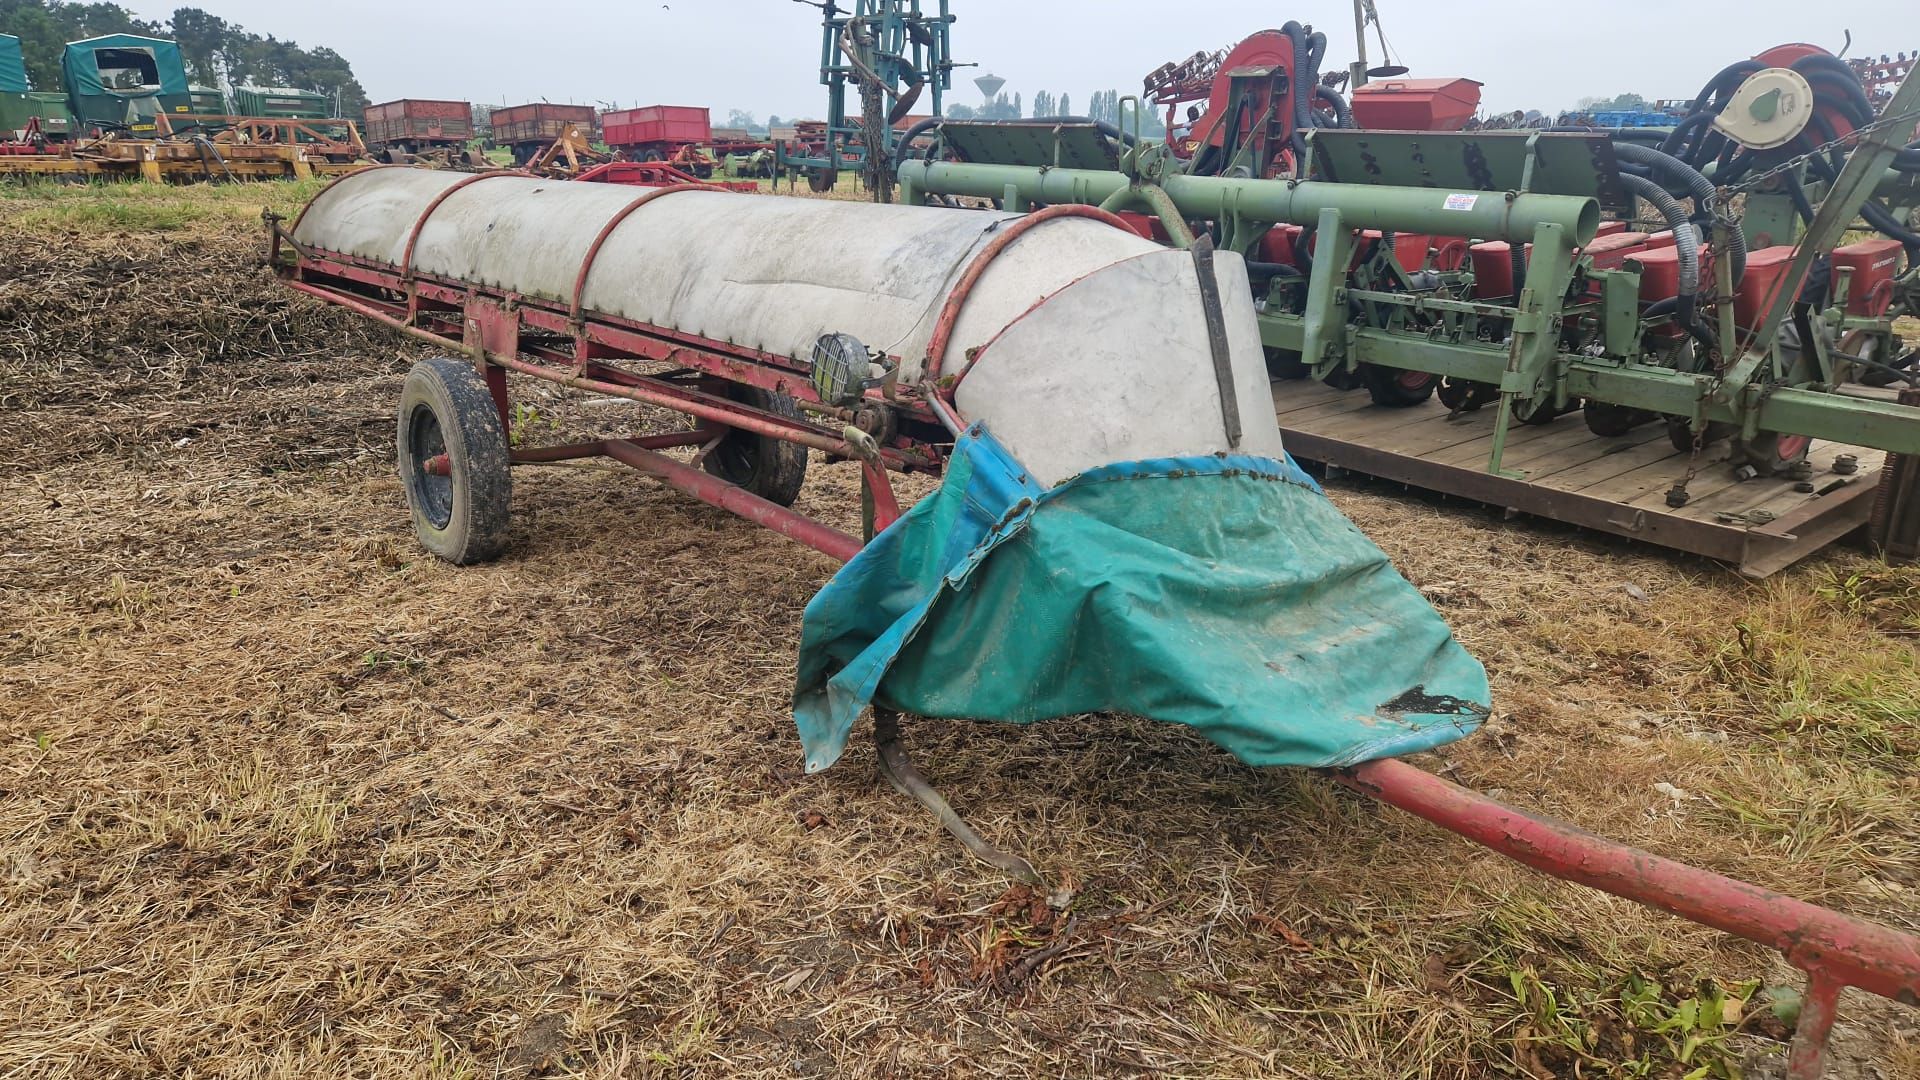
pixel 1808 1057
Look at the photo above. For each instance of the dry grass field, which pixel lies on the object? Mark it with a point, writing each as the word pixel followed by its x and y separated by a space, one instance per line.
pixel 280 796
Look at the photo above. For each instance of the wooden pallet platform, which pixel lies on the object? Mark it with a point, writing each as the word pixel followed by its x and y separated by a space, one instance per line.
pixel 1614 485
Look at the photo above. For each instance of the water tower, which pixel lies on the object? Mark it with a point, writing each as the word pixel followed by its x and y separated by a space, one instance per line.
pixel 990 85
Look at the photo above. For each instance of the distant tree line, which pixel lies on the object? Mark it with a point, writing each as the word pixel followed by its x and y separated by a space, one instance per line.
pixel 216 52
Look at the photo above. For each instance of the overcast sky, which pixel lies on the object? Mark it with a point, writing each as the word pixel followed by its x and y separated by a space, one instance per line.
pixel 763 55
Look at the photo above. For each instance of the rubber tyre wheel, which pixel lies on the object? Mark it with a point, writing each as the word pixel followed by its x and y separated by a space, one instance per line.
pixel 1541 413
pixel 445 408
pixel 771 468
pixel 1342 379
pixel 1680 433
pixel 702 172
pixel 822 181
pixel 1286 364
pixel 1395 388
pixel 1611 421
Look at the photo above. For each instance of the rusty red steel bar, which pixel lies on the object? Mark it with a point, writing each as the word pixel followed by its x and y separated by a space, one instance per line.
pixel 1835 950
pixel 536 455
pixel 734 499
pixel 1863 954
pixel 442 465
pixel 886 508
pixel 957 299
pixel 759 425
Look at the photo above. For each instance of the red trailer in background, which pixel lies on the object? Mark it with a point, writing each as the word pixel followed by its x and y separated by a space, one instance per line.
pixel 671 133
pixel 654 132
pixel 412 125
pixel 529 129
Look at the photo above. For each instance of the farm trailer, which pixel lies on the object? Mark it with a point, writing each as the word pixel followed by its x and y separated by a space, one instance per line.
pixel 673 134
pixel 530 129
pixel 398 130
pixel 1096 404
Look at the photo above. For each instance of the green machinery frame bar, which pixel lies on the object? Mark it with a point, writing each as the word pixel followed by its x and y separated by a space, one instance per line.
pixel 1528 367
pixel 1486 215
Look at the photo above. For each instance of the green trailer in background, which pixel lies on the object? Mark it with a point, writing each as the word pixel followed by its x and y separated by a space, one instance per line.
pixel 208 101
pixel 21 105
pixel 119 81
pixel 281 103
pixel 16 106
pixel 208 105
pixel 13 66
pixel 288 103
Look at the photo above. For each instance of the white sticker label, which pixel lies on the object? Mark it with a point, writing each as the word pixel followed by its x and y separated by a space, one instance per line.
pixel 1461 202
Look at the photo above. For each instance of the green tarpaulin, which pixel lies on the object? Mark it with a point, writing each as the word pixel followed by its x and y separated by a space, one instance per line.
pixel 1225 593
pixel 124 78
pixel 13 66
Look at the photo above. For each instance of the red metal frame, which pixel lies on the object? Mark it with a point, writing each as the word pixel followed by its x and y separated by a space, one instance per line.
pixel 1834 949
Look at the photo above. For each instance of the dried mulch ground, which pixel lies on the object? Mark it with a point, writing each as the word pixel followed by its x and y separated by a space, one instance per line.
pixel 280 796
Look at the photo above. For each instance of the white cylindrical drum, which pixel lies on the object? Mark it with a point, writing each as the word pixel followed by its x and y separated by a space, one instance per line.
pixel 1095 346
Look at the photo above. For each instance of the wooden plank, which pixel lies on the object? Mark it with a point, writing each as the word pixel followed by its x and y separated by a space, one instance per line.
pixel 1291 394
pixel 1602 451
pixel 1321 411
pixel 1608 465
pixel 1824 520
pixel 1614 485
pixel 1701 538
pixel 1404 430
pixel 1522 439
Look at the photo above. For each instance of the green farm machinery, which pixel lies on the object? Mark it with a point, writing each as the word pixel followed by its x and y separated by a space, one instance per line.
pixel 890 53
pixel 1738 278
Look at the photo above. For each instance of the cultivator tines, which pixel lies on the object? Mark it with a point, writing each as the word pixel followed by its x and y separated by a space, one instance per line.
pixel 1188 80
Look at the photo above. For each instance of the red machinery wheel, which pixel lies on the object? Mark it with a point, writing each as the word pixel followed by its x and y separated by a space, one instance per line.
pixel 1773 453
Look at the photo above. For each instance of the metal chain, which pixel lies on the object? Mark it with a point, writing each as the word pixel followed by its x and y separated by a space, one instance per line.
pixel 876 165
pixel 1790 164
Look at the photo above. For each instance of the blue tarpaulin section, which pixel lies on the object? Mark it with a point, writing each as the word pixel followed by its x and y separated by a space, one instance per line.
pixel 1225 592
